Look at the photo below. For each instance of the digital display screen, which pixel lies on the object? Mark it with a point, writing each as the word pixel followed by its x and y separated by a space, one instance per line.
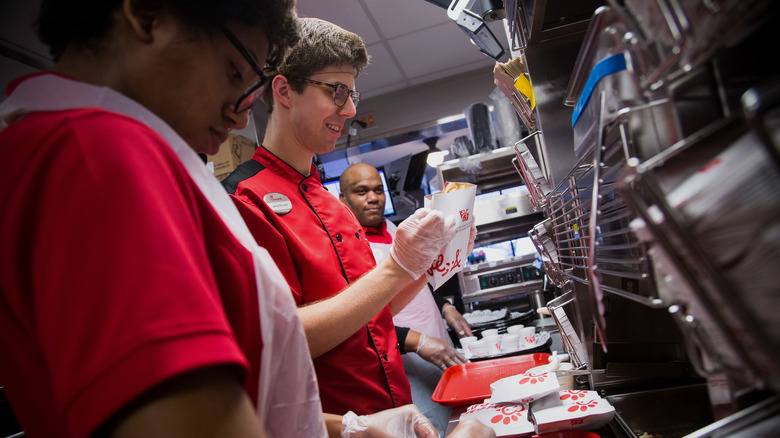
pixel 333 187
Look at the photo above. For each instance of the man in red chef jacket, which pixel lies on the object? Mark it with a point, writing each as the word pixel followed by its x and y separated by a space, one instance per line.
pixel 345 301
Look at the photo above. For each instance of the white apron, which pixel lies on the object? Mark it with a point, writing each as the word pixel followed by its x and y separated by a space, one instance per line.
pixel 288 398
pixel 421 315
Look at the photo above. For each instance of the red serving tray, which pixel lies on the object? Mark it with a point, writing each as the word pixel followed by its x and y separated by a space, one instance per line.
pixel 469 383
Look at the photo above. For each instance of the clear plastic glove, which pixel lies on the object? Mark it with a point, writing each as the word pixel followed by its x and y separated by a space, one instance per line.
pixel 404 422
pixel 456 321
pixel 472 236
pixel 439 352
pixel 472 428
pixel 420 238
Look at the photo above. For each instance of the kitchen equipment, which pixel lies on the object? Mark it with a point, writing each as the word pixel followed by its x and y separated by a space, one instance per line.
pixel 673 312
pixel 469 383
pixel 508 277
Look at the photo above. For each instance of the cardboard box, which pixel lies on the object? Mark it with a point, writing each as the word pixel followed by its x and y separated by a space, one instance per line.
pixel 234 151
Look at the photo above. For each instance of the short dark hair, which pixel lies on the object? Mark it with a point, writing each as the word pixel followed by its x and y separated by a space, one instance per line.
pixel 322 44
pixel 85 22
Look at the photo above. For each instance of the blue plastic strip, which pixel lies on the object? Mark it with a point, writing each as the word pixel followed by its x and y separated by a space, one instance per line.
pixel 606 66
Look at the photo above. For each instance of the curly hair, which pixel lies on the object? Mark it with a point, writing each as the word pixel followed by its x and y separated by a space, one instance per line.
pixel 87 22
pixel 322 44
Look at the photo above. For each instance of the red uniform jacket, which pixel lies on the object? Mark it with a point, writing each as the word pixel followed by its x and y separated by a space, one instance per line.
pixel 320 248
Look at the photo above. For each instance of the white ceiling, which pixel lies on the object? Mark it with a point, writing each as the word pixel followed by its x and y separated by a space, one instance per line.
pixel 411 42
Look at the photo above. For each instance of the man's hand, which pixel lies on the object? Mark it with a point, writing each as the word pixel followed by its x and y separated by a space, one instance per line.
pixel 404 422
pixel 472 428
pixel 472 238
pixel 420 238
pixel 439 352
pixel 456 321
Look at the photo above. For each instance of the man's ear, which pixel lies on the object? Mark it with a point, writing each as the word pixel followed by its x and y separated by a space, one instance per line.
pixel 141 20
pixel 282 91
pixel 342 197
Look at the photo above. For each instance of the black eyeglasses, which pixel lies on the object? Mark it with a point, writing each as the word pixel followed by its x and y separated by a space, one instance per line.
pixel 253 93
pixel 340 92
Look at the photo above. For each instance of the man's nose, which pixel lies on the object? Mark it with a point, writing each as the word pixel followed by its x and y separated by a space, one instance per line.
pixel 349 109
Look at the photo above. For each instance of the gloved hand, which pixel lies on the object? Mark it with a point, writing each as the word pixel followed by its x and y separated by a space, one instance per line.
pixel 472 428
pixel 420 238
pixel 472 237
pixel 439 352
pixel 456 321
pixel 404 422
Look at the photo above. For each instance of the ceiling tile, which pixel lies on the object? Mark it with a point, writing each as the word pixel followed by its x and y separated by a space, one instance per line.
pixel 399 17
pixel 382 70
pixel 372 92
pixel 348 14
pixel 437 48
pixel 485 65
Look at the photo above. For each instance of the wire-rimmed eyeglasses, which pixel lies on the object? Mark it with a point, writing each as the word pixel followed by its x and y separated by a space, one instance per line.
pixel 340 92
pixel 252 93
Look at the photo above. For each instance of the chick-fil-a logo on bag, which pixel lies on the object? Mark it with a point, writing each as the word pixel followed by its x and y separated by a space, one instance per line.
pixel 444 268
pixel 508 414
pixel 464 215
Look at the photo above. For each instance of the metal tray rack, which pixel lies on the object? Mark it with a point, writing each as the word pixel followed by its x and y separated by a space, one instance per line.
pixel 531 173
pixel 545 246
pixel 569 211
pixel 565 313
pixel 517 24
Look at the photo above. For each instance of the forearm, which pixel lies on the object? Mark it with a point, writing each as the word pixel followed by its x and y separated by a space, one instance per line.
pixel 440 301
pixel 207 402
pixel 412 341
pixel 329 322
pixel 333 425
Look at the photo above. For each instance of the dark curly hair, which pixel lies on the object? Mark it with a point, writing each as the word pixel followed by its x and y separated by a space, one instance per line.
pixel 85 22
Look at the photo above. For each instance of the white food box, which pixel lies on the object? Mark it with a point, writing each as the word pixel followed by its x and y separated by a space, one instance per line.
pixel 524 388
pixel 506 420
pixel 571 409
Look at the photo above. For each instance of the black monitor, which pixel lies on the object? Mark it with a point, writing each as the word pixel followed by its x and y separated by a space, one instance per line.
pixel 416 171
pixel 332 185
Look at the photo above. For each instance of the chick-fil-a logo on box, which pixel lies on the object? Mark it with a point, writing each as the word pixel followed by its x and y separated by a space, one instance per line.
pixel 464 215
pixel 508 414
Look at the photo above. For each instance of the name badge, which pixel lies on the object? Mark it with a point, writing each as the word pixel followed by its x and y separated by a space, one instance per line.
pixel 278 202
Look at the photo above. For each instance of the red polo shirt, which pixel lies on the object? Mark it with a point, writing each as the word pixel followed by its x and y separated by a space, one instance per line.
pixel 117 274
pixel 320 247
pixel 378 236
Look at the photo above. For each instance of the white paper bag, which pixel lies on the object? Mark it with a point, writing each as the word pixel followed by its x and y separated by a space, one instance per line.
pixel 460 204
